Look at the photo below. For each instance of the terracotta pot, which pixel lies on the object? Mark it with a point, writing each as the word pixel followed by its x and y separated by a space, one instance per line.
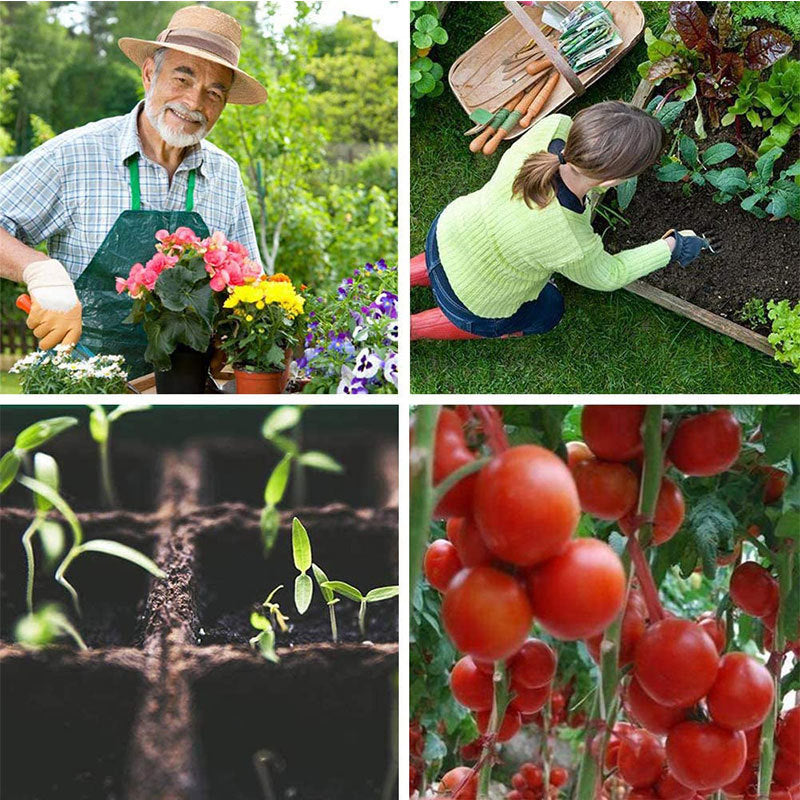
pixel 258 382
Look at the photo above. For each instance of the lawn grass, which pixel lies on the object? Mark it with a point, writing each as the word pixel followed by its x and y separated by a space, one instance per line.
pixel 606 342
pixel 9 384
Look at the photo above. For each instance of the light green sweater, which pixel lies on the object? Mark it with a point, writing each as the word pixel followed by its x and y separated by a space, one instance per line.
pixel 498 253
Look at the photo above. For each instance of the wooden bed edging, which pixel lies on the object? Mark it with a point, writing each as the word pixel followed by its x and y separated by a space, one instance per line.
pixel 680 306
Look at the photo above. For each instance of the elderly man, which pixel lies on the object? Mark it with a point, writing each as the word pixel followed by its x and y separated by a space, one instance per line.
pixel 98 194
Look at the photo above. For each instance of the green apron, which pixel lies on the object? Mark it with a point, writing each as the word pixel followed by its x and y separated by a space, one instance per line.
pixel 131 240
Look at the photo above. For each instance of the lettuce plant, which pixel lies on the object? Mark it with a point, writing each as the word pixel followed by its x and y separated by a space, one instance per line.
pixel 708 56
pixel 274 429
pixel 785 336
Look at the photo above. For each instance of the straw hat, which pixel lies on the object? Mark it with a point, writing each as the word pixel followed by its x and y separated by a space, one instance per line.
pixel 206 33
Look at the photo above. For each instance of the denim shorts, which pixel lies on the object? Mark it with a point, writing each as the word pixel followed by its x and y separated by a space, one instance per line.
pixel 535 316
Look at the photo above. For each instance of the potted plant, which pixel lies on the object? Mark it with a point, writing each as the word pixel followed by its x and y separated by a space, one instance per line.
pixel 175 298
pixel 261 324
pixel 60 372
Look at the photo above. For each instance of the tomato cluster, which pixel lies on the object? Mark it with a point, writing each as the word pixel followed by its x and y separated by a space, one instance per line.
pixel 529 782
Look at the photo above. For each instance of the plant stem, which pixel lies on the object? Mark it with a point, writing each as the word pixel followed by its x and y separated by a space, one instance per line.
pixel 767 760
pixel 27 546
pixel 492 427
pixel 362 612
pixel 105 472
pixel 441 489
pixel 499 705
pixel 421 467
pixel 334 630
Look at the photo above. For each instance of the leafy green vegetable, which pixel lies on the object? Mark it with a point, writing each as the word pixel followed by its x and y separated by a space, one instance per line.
pixel 785 336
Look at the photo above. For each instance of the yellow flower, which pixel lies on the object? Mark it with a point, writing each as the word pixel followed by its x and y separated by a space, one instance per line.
pixel 249 317
pixel 260 305
pixel 231 302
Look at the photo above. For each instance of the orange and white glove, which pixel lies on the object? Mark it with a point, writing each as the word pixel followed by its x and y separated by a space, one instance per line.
pixel 56 313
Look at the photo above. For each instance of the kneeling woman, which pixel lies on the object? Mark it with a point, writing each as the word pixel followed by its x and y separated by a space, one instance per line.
pixel 490 255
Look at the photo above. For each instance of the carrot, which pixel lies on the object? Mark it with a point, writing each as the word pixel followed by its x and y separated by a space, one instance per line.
pixel 520 109
pixel 480 140
pixel 543 97
pixel 535 67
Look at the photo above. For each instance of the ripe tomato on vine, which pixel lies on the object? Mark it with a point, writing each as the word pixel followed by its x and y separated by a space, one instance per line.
pixel 609 607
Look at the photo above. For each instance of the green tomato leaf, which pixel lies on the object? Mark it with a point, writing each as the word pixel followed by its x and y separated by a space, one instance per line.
pixel 301 546
pixel 119 550
pixel 382 593
pixel 788 526
pixel 346 590
pixel 9 467
pixel 303 591
pixel 45 469
pixel 281 419
pixel 270 523
pixel 51 535
pixel 98 424
pixel 321 578
pixel 317 460
pixel 120 411
pixel 55 498
pixel 37 434
pixel 276 484
pixel 259 621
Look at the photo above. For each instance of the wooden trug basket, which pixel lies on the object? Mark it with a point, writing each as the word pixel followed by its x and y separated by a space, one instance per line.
pixel 482 65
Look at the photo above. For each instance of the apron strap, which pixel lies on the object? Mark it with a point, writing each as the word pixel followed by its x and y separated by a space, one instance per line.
pixel 136 195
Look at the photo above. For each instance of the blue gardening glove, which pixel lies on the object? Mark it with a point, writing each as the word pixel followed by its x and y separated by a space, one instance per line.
pixel 688 246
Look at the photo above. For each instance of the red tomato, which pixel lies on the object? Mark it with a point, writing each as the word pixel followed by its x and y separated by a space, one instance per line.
pixel 449 454
pixel 613 433
pixel 452 783
pixel 715 628
pixel 464 534
pixel 786 771
pixel 471 687
pixel 557 703
pixel 441 564
pixel 486 613
pixel 754 590
pixel 633 626
pixel 558 776
pixel 528 701
pixel 648 713
pixel 580 592
pixel 668 517
pixel 788 736
pixel 775 485
pixel 533 665
pixel 669 788
pixel 532 775
pixel 706 444
pixel 740 785
pixel 526 505
pixel 742 694
pixel 509 727
pixel 606 489
pixel 578 452
pixel 676 662
pixel 640 759
pixel 704 756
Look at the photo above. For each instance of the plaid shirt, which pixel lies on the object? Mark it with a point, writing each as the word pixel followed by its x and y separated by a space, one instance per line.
pixel 70 191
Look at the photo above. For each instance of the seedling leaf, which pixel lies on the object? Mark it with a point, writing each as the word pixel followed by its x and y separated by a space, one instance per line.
pixel 55 498
pixel 45 469
pixel 259 621
pixel 51 535
pixel 318 460
pixel 37 434
pixel 281 419
pixel 266 643
pixel 270 522
pixel 276 484
pixel 382 593
pixel 98 424
pixel 120 411
pixel 122 551
pixel 322 579
pixel 346 590
pixel 303 591
pixel 9 466
pixel 301 546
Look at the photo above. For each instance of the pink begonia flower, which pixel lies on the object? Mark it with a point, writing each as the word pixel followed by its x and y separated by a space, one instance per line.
pixel 216 258
pixel 234 271
pixel 238 249
pixel 217 240
pixel 218 282
pixel 121 284
pixel 251 270
pixel 161 235
pixel 185 237
pixel 149 278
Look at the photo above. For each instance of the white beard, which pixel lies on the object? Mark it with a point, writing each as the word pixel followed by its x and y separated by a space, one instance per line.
pixel 172 137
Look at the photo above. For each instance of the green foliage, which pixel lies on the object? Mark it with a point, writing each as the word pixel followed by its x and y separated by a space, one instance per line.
pixel 9 80
pixel 753 312
pixel 377 167
pixel 372 596
pixel 784 14
pixel 44 626
pixel 785 336
pixel 42 132
pixel 426 31
pixel 265 641
pixel 772 105
pixel 685 162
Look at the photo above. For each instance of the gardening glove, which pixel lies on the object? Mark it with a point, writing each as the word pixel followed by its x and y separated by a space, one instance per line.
pixel 56 312
pixel 688 246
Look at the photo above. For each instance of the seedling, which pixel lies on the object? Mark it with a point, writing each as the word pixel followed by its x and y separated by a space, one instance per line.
pixel 273 430
pixel 330 598
pixel 100 429
pixel 48 494
pixel 690 166
pixel 265 640
pixel 41 628
pixel 372 596
pixel 51 534
pixel 753 312
pixel 31 438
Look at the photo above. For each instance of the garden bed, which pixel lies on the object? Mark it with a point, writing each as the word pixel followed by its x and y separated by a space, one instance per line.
pixel 170 700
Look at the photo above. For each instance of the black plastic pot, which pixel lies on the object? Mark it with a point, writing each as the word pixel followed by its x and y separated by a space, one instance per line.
pixel 188 373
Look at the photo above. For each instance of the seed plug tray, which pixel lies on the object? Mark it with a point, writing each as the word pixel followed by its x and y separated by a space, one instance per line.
pixel 170 701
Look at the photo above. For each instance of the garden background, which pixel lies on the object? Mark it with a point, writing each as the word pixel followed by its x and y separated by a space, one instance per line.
pixel 608 342
pixel 319 158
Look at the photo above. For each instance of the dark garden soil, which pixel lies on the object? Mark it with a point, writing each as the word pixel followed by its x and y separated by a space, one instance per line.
pixel 759 259
pixel 170 701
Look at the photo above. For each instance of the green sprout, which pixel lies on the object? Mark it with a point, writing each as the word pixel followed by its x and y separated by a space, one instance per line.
pixel 51 534
pixel 40 628
pixel 51 495
pixel 330 598
pixel 31 438
pixel 265 640
pixel 372 596
pixel 100 429
pixel 274 429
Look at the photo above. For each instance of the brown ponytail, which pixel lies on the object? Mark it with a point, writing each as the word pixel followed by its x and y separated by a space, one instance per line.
pixel 607 141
